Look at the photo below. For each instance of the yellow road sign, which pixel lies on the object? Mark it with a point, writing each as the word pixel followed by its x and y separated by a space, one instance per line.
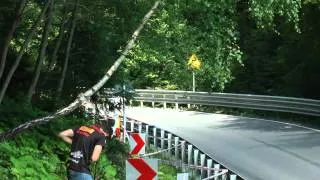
pixel 194 62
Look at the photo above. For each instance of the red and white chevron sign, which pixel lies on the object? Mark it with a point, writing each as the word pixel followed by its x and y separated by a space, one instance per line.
pixel 141 169
pixel 137 143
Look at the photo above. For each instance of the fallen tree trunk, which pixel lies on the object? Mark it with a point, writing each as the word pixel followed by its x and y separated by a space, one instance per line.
pixel 83 96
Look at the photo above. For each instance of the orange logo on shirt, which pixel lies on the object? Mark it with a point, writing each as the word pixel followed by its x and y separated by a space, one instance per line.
pixel 86 129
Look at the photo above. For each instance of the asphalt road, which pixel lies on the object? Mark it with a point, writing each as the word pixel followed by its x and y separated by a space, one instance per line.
pixel 253 148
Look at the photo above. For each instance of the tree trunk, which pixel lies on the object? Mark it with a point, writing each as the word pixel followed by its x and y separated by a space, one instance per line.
pixel 53 60
pixel 14 25
pixel 66 60
pixel 42 53
pixel 23 48
pixel 83 96
pixel 58 43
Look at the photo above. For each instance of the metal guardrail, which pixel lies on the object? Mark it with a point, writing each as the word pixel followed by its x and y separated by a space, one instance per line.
pixel 183 154
pixel 259 102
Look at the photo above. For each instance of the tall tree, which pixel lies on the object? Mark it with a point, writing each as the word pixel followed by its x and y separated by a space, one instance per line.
pixel 62 28
pixel 42 53
pixel 66 60
pixel 14 25
pixel 22 50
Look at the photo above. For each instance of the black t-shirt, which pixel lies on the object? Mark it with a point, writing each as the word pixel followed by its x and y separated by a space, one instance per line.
pixel 84 140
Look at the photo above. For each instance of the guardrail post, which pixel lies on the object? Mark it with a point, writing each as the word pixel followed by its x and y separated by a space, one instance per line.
pixel 176 148
pixel 132 126
pixel 176 98
pixel 216 170
pixel 162 139
pixel 147 135
pixel 141 103
pixel 233 177
pixel 189 106
pixel 169 143
pixel 195 157
pixel 224 176
pixel 155 137
pixel 153 100
pixel 140 127
pixel 202 160
pixel 209 165
pixel 164 103
pixel 183 151
pixel 189 154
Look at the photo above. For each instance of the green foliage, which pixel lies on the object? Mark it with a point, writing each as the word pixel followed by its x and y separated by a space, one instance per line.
pixel 117 153
pixel 159 59
pixel 103 169
pixel 40 154
pixel 267 11
pixel 167 172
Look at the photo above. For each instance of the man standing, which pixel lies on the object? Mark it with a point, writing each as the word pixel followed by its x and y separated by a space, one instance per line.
pixel 87 143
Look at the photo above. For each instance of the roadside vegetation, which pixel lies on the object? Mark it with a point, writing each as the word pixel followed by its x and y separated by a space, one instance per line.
pixel 50 49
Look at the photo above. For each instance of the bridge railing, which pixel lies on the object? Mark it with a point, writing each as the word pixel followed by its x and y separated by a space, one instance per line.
pixel 247 101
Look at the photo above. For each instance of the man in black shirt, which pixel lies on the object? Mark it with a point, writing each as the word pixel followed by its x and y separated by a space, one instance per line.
pixel 87 143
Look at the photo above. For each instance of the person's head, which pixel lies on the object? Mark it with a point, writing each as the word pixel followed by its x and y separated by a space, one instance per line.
pixel 105 126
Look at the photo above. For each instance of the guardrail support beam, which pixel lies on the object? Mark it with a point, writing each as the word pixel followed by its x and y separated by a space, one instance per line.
pixel 233 177
pixel 155 137
pixel 162 140
pixel 147 135
pixel 164 103
pixel 183 151
pixel 216 171
pixel 169 143
pixel 202 161
pixel 176 148
pixel 195 157
pixel 132 126
pixel 189 154
pixel 140 127
pixel 153 100
pixel 176 98
pixel 209 165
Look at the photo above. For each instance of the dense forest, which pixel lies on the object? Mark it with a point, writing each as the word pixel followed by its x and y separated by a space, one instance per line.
pixel 51 48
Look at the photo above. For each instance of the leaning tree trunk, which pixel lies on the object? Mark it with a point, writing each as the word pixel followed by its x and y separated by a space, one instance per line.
pixel 66 60
pixel 22 50
pixel 83 96
pixel 42 53
pixel 14 25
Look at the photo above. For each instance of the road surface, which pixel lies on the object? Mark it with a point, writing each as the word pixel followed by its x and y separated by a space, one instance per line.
pixel 252 148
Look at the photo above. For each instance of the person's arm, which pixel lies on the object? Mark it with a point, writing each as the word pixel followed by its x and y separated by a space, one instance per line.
pixel 96 153
pixel 67 135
